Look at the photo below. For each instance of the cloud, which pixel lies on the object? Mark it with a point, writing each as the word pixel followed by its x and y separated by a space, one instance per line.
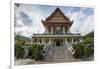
pixel 25 19
pixel 28 18
pixel 19 23
pixel 88 25
pixel 83 23
pixel 78 18
pixel 23 25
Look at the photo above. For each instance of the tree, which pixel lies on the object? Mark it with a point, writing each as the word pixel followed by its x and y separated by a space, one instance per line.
pixel 19 52
pixel 87 40
pixel 37 52
pixel 79 50
pixel 85 48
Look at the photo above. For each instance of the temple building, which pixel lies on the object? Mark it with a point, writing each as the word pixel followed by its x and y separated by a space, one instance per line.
pixel 57 31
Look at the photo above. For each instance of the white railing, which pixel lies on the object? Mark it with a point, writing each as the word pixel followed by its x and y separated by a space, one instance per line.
pixel 70 48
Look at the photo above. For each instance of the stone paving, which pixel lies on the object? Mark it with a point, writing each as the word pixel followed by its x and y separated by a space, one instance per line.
pixel 30 62
pixel 22 61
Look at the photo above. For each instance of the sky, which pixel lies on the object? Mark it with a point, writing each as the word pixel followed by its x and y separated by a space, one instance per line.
pixel 27 18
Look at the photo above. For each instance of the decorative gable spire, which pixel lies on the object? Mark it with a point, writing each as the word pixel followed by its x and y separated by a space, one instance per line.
pixel 60 13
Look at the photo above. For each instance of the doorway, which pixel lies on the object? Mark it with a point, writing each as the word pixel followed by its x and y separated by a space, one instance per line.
pixel 58 43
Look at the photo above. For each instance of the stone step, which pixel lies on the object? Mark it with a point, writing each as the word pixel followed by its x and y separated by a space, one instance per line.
pixel 55 52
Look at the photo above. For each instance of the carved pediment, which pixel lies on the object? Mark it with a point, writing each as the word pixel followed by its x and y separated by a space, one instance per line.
pixel 57 16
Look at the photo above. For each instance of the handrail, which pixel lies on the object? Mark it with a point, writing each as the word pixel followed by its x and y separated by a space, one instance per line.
pixel 70 48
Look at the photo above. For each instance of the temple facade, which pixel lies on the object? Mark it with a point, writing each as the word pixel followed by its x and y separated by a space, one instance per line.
pixel 57 31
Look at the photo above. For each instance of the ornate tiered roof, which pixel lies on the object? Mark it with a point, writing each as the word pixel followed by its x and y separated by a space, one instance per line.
pixel 57 17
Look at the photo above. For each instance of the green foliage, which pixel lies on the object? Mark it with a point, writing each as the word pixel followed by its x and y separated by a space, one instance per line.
pixel 37 52
pixel 85 48
pixel 79 50
pixel 87 40
pixel 19 52
pixel 82 50
pixel 87 51
pixel 19 42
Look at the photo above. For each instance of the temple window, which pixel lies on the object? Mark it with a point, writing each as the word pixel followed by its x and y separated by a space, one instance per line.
pixel 57 30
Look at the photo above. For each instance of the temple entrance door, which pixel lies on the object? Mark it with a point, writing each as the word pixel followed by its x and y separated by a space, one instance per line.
pixel 58 43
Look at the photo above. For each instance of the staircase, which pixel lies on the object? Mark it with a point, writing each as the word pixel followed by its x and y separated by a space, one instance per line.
pixel 58 53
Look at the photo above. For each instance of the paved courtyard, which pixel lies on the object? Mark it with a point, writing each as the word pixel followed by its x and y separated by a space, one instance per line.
pixel 29 61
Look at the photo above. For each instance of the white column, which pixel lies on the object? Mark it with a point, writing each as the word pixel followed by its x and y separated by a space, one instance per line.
pixel 80 39
pixel 26 52
pixel 49 40
pixel 51 30
pixel 49 43
pixel 63 30
pixel 68 29
pixel 38 41
pixel 66 41
pixel 72 40
pixel 42 41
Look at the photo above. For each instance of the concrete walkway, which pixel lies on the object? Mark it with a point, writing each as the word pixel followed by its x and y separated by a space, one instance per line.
pixel 22 61
pixel 29 61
